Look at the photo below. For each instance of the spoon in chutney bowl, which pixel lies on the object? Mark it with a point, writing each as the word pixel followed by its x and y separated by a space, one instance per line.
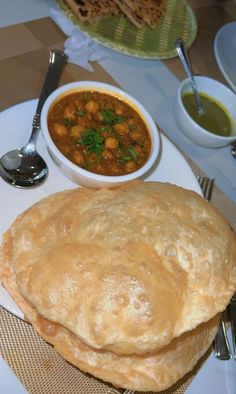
pixel 181 50
pixel 24 167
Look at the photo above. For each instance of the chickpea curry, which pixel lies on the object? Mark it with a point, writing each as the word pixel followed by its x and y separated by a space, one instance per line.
pixel 99 132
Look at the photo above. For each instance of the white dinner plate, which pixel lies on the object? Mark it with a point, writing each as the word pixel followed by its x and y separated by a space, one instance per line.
pixel 225 52
pixel 15 126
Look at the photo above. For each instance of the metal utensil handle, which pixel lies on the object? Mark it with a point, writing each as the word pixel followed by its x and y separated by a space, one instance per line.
pixel 232 308
pixel 181 50
pixel 233 149
pixel 57 60
pixel 221 344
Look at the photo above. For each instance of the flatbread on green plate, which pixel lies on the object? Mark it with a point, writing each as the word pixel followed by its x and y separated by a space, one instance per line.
pixel 118 33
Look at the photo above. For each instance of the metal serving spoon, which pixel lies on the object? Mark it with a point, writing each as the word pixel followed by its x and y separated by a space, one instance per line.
pixel 24 167
pixel 181 50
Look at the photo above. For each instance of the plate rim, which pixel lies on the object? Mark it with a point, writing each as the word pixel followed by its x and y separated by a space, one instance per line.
pixel 26 107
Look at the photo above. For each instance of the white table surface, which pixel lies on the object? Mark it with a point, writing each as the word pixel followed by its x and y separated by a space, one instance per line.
pixel 9 382
pixel 155 87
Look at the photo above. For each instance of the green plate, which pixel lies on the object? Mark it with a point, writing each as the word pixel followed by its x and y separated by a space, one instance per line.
pixel 118 33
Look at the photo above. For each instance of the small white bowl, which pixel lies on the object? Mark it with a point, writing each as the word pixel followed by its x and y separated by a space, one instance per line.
pixel 78 174
pixel 194 131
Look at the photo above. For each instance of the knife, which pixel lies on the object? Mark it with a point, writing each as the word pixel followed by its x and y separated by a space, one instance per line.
pixel 232 311
pixel 221 344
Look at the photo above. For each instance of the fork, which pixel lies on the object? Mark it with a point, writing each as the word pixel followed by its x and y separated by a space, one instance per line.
pixel 206 185
pixel 221 344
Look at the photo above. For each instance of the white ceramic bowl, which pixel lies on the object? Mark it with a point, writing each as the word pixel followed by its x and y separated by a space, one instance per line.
pixel 74 172
pixel 190 128
pixel 225 52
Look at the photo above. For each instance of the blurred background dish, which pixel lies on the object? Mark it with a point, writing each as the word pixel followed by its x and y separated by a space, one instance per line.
pixel 118 33
pixel 225 52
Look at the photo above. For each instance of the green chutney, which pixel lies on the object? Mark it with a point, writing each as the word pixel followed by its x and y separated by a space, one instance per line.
pixel 215 118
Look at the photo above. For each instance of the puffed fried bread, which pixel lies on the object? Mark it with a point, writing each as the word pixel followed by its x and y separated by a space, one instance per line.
pixel 93 260
pixel 147 372
pixel 123 281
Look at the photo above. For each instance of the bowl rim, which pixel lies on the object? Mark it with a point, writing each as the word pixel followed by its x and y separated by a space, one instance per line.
pixel 205 132
pixel 153 128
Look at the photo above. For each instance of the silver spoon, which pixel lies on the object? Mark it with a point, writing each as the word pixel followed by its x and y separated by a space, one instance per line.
pixel 181 50
pixel 24 167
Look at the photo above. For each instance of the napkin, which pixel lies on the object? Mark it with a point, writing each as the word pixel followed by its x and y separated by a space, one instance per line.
pixel 79 48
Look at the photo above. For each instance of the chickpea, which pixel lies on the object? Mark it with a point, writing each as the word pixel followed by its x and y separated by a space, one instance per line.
pixel 111 143
pixel 98 116
pixel 130 166
pixel 76 131
pixel 92 106
pixel 60 129
pixel 131 122
pixel 115 169
pixel 107 154
pixel 121 128
pixel 69 112
pixel 119 110
pixel 135 135
pixel 78 158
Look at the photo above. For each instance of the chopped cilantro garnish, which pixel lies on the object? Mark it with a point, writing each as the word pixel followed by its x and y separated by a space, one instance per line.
pixel 109 118
pixel 133 153
pixel 69 122
pixel 130 150
pixel 132 126
pixel 92 140
pixel 81 113
pixel 122 159
pixel 105 128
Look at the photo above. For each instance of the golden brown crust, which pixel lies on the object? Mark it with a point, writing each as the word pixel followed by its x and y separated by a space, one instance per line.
pixel 123 282
pixel 93 260
pixel 150 372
